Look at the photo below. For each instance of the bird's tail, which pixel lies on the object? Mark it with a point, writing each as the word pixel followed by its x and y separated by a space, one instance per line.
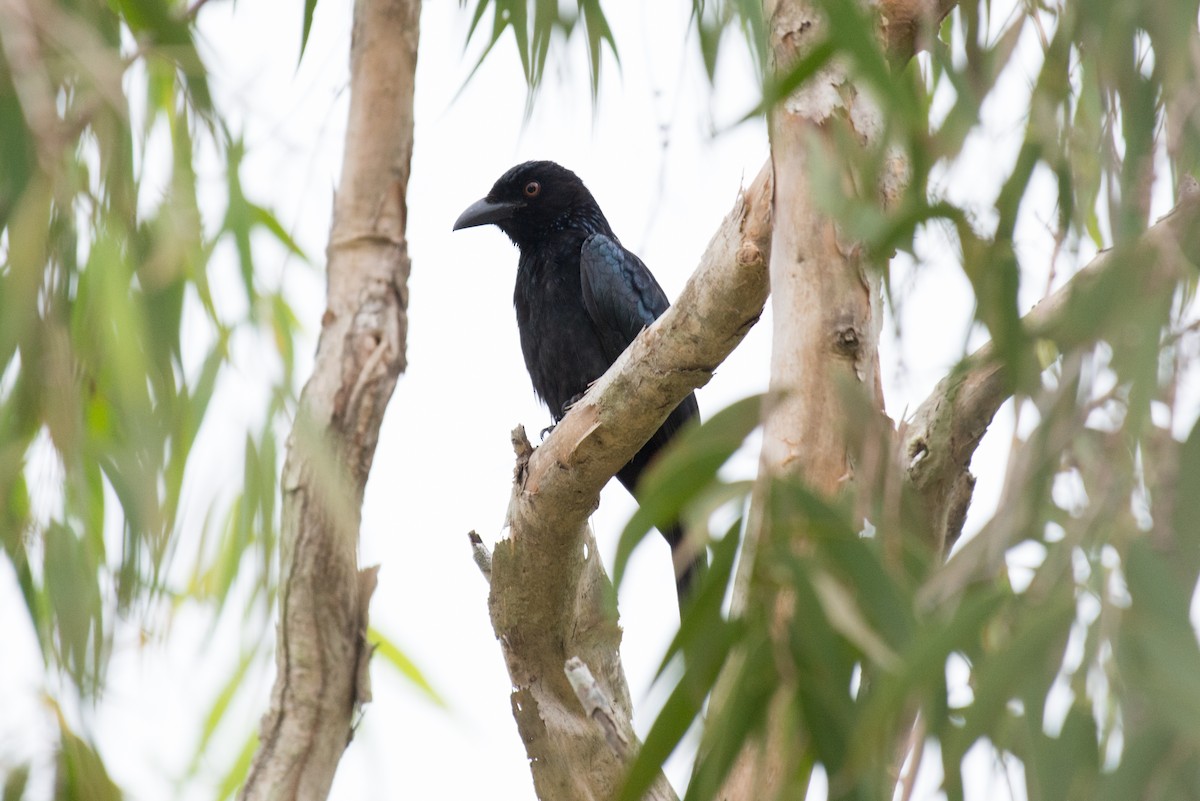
pixel 689 575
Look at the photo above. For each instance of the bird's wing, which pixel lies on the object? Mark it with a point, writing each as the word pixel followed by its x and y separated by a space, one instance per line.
pixel 619 293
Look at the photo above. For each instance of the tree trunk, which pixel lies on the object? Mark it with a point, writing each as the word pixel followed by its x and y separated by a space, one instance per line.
pixel 827 313
pixel 322 652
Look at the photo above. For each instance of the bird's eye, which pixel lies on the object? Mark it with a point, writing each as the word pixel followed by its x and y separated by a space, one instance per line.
pixel 532 189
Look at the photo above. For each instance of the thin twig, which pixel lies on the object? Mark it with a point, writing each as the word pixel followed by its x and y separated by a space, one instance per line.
pixel 481 555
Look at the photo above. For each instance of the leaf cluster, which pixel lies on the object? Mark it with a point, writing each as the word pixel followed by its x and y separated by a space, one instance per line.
pixel 113 341
pixel 1059 634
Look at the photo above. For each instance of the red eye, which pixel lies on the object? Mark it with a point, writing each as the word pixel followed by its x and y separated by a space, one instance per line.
pixel 532 189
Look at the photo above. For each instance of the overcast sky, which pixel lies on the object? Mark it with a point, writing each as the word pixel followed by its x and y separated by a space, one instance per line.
pixel 665 163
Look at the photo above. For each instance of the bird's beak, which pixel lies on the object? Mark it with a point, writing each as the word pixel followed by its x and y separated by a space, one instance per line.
pixel 484 212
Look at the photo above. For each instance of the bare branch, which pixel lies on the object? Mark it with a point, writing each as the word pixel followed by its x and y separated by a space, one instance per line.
pixel 550 597
pixel 322 651
pixel 481 555
pixel 946 429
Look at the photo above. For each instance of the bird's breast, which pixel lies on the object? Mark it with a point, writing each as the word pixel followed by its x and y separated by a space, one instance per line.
pixel 562 349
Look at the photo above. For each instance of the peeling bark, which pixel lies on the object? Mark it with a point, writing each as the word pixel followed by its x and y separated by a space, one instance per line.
pixel 825 301
pixel 322 652
pixel 826 308
pixel 827 317
pixel 550 597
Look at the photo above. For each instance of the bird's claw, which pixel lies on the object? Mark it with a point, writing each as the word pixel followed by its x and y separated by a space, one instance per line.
pixel 574 400
pixel 546 431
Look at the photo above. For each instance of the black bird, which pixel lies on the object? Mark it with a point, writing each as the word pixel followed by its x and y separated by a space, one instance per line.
pixel 581 298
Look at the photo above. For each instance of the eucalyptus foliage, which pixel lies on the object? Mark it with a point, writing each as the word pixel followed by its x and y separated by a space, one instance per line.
pixel 1060 633
pixel 113 341
pixel 1083 665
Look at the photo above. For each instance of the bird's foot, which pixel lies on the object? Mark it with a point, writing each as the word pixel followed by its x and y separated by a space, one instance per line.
pixel 566 407
pixel 574 400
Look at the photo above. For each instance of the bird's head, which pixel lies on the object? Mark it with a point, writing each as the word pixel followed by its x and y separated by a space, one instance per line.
pixel 534 199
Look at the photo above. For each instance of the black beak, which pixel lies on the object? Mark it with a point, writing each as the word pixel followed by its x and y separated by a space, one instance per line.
pixel 484 212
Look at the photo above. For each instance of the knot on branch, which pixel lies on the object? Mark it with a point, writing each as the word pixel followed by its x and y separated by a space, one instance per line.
pixel 847 341
pixel 749 255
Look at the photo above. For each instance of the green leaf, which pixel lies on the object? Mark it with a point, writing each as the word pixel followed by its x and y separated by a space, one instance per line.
pixel 1185 556
pixel 824 662
pixel 1023 661
pixel 20 157
pixel 220 706
pixel 235 777
pixel 704 612
pixel 72 590
pixel 1157 650
pixel 680 711
pixel 15 783
pixel 81 771
pixel 266 219
pixel 1076 745
pixel 533 40
pixel 598 33
pixel 385 648
pixel 857 561
pixel 680 473
pixel 778 87
pixel 736 719
pixel 310 6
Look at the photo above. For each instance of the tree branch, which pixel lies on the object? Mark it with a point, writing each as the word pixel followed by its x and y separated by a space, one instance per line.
pixel 322 650
pixel 550 596
pixel 946 429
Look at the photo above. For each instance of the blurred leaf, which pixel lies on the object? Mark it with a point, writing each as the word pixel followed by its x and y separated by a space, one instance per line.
pixel 310 6
pixel 1185 551
pixel 736 720
pixel 236 776
pixel 533 36
pixel 779 87
pixel 169 34
pixel 704 612
pixel 1028 655
pixel 598 32
pixel 680 710
pixel 73 592
pixel 398 660
pixel 680 473
pixel 1158 647
pixel 15 783
pixel 267 220
pixel 1139 768
pixel 824 662
pixel 17 166
pixel 80 770
pixel 220 706
pixel 1076 745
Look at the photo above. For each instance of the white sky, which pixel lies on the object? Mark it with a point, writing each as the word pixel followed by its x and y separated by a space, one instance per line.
pixel 443 465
